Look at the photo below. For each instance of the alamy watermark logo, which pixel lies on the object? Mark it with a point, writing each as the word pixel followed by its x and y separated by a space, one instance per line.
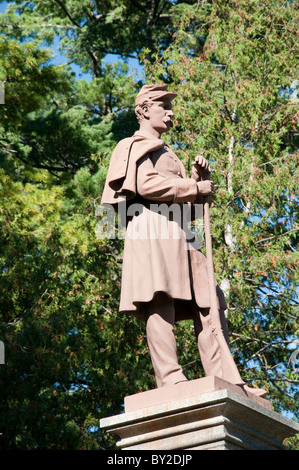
pixel 151 221
pixel 2 93
pixel 294 359
pixel 2 353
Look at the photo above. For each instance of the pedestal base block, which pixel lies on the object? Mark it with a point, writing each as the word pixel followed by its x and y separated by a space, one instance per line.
pixel 203 414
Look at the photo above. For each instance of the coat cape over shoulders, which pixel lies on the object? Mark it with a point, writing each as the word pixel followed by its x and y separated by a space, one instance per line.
pixel 153 264
pixel 121 176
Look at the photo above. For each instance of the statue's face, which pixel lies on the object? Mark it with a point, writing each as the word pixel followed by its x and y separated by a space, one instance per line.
pixel 160 116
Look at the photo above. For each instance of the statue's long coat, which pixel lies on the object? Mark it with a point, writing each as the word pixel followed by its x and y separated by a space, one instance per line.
pixel 158 255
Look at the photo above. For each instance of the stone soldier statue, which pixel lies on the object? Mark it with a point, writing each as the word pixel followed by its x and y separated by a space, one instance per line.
pixel 164 278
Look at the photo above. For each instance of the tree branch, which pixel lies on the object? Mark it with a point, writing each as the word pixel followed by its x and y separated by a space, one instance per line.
pixel 276 236
pixel 60 3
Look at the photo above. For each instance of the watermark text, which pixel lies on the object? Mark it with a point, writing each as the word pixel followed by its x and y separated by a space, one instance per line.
pixel 138 221
pixel 2 93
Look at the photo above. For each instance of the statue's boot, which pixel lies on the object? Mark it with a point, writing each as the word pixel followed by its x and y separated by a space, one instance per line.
pixel 260 392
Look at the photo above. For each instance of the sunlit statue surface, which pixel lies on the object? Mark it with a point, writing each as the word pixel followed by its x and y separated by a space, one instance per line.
pixel 164 274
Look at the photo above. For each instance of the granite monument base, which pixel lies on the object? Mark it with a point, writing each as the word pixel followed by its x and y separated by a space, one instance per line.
pixel 202 414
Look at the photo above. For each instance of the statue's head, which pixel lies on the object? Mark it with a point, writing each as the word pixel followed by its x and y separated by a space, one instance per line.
pixel 150 94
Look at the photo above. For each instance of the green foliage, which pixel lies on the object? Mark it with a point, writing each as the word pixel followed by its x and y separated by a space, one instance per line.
pixel 91 29
pixel 70 357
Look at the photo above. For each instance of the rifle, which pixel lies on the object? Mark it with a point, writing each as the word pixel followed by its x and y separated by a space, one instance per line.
pixel 229 368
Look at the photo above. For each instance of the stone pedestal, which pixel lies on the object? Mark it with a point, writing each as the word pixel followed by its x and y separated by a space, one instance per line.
pixel 203 414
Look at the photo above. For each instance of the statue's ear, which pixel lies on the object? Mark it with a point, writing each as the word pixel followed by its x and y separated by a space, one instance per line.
pixel 145 111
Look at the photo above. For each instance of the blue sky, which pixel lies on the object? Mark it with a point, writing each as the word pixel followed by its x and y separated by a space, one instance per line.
pixel 3 7
pixel 110 58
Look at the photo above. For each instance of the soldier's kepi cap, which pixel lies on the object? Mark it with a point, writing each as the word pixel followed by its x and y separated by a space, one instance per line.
pixel 154 93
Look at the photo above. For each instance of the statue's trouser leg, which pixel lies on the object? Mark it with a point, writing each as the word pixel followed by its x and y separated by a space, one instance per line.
pixel 213 347
pixel 161 341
